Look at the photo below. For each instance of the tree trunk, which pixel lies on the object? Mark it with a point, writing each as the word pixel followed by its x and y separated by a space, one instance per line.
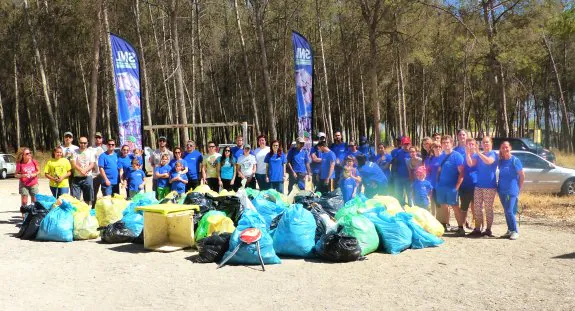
pixel 143 67
pixel 326 82
pixel 4 136
pixel 111 70
pixel 180 99
pixel 94 74
pixel 16 108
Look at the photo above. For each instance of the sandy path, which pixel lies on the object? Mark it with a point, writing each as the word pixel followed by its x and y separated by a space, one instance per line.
pixel 469 273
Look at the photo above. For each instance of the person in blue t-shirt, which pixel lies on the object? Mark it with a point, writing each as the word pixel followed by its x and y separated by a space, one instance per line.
pixel 365 148
pixel 486 187
pixel 372 177
pixel 421 188
pixel 348 184
pixel 339 148
pixel 135 179
pixel 383 160
pixel 237 151
pixel 432 165
pixel 511 177
pixel 124 164
pixel 162 176
pixel 402 183
pixel 352 151
pixel 327 170
pixel 448 183
pixel 227 169
pixel 108 165
pixel 178 158
pixel 276 161
pixel 315 160
pixel 469 175
pixel 193 160
pixel 179 179
pixel 298 167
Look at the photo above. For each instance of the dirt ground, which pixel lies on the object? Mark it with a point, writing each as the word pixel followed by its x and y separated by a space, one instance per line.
pixel 535 272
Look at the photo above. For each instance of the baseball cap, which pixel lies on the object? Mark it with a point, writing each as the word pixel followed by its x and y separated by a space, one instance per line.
pixel 247 146
pixel 162 138
pixel 362 139
pixel 405 140
pixel 321 134
pixel 98 134
pixel 68 134
pixel 300 140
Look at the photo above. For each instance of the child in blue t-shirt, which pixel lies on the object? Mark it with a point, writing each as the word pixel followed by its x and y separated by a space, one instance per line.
pixel 135 179
pixel 179 179
pixel 421 188
pixel 162 175
pixel 348 184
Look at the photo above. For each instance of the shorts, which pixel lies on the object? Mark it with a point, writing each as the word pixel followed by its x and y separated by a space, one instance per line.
pixel 28 190
pixel 446 195
pixel 161 192
pixel 465 198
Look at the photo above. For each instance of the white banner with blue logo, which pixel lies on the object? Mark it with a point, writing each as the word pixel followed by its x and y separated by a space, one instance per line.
pixel 127 75
pixel 303 58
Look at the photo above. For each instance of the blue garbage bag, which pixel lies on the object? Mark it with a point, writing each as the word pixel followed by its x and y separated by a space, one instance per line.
pixel 134 222
pixel 58 225
pixel 46 200
pixel 394 233
pixel 248 254
pixel 267 209
pixel 295 233
pixel 420 237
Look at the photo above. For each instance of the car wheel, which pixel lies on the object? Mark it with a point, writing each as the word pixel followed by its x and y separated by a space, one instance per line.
pixel 3 174
pixel 568 187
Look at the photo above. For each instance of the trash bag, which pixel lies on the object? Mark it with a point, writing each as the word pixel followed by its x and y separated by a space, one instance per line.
pixel 45 200
pixel 35 213
pixel 204 201
pixel 295 233
pixel 305 198
pixel 110 210
pixel 267 209
pixel 170 198
pixel 252 193
pixel 427 221
pixel 79 206
pixel 394 234
pixel 214 221
pixel 85 226
pixel 338 247
pixel 58 225
pixel 351 207
pixel 273 196
pixel 141 199
pixel 248 254
pixel 291 196
pixel 116 233
pixel 225 193
pixel 332 202
pixel 420 237
pixel 212 248
pixel 134 222
pixel 323 221
pixel 363 230
pixel 202 189
pixel 230 205
pixel 390 203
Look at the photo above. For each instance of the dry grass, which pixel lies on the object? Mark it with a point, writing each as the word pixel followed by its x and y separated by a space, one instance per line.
pixel 565 159
pixel 537 205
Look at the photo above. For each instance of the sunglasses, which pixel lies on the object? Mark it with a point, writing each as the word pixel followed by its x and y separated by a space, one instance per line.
pixel 178 152
pixel 111 144
pixel 211 146
pixel 189 145
pixel 27 153
pixel 226 151
pixel 83 142
pixel 125 150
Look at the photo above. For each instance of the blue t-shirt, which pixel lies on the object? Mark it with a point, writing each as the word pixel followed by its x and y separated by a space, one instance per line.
pixel 109 162
pixel 460 150
pixel 172 164
pixel 136 179
pixel 315 166
pixel 353 154
pixel 125 163
pixel 340 151
pixel 163 182
pixel 276 166
pixel 469 173
pixel 509 176
pixel 371 172
pixel 393 154
pixel 486 174
pixel 421 189
pixel 401 157
pixel 382 161
pixel 179 186
pixel 367 150
pixel 237 152
pixel 227 167
pixel 193 160
pixel 347 186
pixel 449 171
pixel 298 159
pixel 140 159
pixel 432 164
pixel 327 158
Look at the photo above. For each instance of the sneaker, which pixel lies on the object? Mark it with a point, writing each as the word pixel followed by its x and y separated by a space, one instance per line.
pixel 487 233
pixel 507 234
pixel 514 236
pixel 460 232
pixel 476 233
pixel 451 228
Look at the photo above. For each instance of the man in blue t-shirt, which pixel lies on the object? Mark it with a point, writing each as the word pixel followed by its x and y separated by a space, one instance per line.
pixel 467 189
pixel 108 165
pixel 365 148
pixel 327 170
pixel 450 177
pixel 193 160
pixel 352 151
pixel 298 167
pixel 125 164
pixel 372 177
pixel 315 160
pixel 339 148
pixel 402 183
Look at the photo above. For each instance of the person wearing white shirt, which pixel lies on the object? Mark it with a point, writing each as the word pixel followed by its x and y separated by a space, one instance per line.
pixel 261 166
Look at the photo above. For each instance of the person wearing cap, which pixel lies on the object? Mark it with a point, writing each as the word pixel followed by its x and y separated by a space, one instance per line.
pixel 315 160
pixel 156 157
pixel 402 183
pixel 365 148
pixel 246 168
pixel 339 148
pixel 82 165
pixel 97 149
pixel 372 177
pixel 68 148
pixel 298 167
pixel 450 177
pixel 194 160
pixel 327 171
pixel 261 166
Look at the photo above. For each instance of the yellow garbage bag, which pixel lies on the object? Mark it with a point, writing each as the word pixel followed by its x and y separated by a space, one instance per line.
pixel 225 193
pixel 214 221
pixel 80 206
pixel 426 220
pixel 85 226
pixel 202 189
pixel 390 203
pixel 292 194
pixel 109 209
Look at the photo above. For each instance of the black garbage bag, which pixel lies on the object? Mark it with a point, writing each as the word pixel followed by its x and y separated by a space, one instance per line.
pixel 212 248
pixel 305 198
pixel 231 205
pixel 316 210
pixel 276 220
pixel 35 213
pixel 338 247
pixel 332 202
pixel 204 201
pixel 139 239
pixel 116 233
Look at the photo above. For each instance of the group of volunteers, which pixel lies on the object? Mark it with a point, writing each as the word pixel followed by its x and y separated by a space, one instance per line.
pixel 440 176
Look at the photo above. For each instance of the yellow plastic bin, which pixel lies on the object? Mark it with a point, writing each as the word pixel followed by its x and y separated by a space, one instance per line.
pixel 168 227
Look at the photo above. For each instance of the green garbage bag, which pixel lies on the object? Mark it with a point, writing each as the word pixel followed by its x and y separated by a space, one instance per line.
pixel 363 230
pixel 214 221
pixel 351 207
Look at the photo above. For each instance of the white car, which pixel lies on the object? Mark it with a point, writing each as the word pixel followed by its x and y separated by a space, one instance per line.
pixel 7 165
pixel 545 177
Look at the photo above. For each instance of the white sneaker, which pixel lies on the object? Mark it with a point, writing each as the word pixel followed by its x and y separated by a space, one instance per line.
pixel 514 236
pixel 507 234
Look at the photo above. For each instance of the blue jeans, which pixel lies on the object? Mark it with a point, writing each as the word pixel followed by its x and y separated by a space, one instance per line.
pixel 277 185
pixel 57 192
pixel 402 190
pixel 299 181
pixel 509 203
pixel 107 190
pixel 83 186
pixel 262 183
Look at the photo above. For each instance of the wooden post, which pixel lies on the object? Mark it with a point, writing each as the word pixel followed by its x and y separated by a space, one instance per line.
pixel 245 131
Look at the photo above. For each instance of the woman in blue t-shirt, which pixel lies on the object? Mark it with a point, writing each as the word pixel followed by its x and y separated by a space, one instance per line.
pixel 432 163
pixel 510 183
pixel 276 161
pixel 227 169
pixel 486 186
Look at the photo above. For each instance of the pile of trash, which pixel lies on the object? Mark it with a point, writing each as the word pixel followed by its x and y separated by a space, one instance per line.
pixel 302 224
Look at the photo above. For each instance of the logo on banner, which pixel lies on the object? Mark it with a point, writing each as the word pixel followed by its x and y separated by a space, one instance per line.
pixel 302 56
pixel 125 59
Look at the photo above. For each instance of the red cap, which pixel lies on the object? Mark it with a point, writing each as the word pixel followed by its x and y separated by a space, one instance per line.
pixel 406 141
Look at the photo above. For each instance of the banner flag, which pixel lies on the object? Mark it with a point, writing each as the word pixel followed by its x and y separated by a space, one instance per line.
pixel 303 59
pixel 127 75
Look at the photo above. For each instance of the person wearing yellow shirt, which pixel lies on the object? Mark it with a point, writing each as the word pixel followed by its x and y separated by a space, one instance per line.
pixel 57 170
